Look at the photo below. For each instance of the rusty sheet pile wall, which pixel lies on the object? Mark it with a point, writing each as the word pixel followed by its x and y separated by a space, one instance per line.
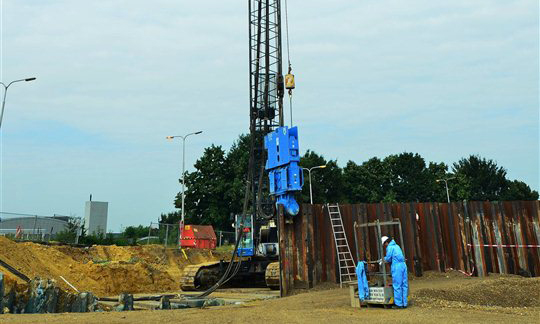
pixel 474 237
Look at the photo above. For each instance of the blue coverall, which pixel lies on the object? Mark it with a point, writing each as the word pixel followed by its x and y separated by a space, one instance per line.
pixel 399 273
pixel 363 288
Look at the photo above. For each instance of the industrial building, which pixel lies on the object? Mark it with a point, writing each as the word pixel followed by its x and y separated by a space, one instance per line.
pixel 95 217
pixel 33 224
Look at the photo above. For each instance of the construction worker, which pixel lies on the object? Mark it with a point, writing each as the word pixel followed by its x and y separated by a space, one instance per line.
pixel 394 255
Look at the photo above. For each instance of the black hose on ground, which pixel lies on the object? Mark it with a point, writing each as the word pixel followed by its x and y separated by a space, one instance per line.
pixel 225 278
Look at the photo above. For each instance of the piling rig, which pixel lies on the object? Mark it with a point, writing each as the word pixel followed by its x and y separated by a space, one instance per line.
pixel 273 175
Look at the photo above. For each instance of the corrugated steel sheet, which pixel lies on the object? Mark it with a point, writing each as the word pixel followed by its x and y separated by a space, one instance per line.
pixel 474 237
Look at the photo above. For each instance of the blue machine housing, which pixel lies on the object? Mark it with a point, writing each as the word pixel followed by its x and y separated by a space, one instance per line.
pixel 246 247
pixel 282 165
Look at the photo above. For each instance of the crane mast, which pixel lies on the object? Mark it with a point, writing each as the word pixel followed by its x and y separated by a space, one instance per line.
pixel 266 95
pixel 274 175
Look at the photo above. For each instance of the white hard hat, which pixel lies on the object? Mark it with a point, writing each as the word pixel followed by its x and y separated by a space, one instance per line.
pixel 383 239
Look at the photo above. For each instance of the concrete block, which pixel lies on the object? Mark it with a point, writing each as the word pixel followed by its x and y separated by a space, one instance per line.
pixel 165 302
pixel 126 302
pixel 43 296
pixel 179 306
pixel 88 302
pixel 80 303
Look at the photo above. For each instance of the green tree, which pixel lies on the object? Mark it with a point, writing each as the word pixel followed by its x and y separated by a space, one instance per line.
pixel 171 218
pixel 69 233
pixel 327 182
pixel 519 190
pixel 369 182
pixel 438 171
pixel 135 232
pixel 237 161
pixel 411 180
pixel 397 178
pixel 206 190
pixel 216 188
pixel 478 178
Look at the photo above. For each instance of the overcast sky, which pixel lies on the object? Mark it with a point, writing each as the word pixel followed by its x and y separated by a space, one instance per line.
pixel 114 77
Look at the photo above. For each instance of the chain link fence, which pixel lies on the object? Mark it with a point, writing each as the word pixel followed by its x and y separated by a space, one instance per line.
pixel 225 238
pixel 38 235
pixel 162 233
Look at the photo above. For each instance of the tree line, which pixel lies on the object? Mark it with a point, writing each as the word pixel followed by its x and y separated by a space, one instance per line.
pixel 215 189
pixel 75 232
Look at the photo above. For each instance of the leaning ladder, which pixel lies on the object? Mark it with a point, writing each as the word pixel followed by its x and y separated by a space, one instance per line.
pixel 347 269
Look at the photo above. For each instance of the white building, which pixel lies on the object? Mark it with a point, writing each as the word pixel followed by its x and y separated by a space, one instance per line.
pixel 95 217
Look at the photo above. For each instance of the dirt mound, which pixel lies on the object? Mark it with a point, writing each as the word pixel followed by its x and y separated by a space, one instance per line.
pixel 110 253
pixel 502 292
pixel 103 270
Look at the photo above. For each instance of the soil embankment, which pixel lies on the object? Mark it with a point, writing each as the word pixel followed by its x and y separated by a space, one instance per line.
pixel 102 270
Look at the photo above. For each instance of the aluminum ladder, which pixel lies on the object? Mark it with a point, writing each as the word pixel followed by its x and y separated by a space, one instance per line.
pixel 347 268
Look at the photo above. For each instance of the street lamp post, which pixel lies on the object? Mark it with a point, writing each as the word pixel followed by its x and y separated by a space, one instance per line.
pixel 309 174
pixel 446 184
pixel 183 174
pixel 5 94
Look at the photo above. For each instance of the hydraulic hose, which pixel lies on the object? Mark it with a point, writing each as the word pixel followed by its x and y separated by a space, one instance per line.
pixel 225 278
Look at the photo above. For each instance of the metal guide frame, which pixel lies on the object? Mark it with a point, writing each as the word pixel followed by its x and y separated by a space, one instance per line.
pixel 377 224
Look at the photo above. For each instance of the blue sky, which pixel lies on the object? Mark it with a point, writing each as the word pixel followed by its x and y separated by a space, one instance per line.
pixel 442 78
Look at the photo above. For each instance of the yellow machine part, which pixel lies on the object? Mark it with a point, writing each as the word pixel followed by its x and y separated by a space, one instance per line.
pixel 289 81
pixel 271 275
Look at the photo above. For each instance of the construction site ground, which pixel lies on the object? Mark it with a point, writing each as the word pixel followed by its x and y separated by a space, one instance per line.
pixel 450 297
